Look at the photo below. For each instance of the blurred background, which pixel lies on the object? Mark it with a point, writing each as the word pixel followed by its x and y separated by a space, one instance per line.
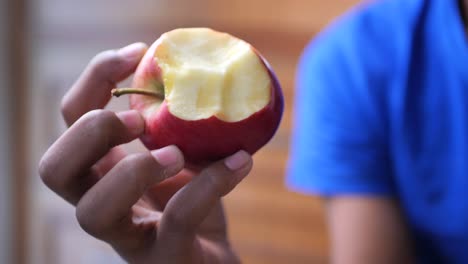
pixel 45 44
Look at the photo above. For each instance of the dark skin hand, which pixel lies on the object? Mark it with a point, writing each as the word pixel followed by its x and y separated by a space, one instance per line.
pixel 121 198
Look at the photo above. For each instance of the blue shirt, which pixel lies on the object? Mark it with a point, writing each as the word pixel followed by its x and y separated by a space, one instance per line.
pixel 381 109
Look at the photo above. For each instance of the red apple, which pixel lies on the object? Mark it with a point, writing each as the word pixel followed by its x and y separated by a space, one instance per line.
pixel 207 92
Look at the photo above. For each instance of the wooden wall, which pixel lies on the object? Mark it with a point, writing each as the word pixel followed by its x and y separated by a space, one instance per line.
pixel 268 224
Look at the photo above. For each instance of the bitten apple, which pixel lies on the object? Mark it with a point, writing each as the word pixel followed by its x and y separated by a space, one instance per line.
pixel 207 92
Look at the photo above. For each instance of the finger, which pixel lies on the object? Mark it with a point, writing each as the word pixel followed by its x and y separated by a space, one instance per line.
pixel 66 166
pixel 141 214
pixel 161 193
pixel 106 163
pixel 187 209
pixel 108 205
pixel 92 89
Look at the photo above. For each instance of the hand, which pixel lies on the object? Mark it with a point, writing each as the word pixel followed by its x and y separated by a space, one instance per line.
pixel 117 196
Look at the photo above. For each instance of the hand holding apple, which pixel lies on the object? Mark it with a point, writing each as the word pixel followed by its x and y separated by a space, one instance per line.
pixel 114 191
pixel 208 93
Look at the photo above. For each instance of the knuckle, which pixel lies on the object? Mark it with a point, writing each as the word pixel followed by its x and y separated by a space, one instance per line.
pixel 65 107
pixel 219 179
pixel 105 63
pixel 100 123
pixel 87 220
pixel 104 58
pixel 175 220
pixel 139 169
pixel 101 117
pixel 139 161
pixel 218 183
pixel 50 174
pixel 83 217
pixel 45 170
pixel 105 127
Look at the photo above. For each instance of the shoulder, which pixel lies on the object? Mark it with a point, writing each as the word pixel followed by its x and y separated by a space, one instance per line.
pixel 369 36
pixel 345 72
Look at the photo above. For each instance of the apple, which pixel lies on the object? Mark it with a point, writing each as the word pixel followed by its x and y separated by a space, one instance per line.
pixel 207 92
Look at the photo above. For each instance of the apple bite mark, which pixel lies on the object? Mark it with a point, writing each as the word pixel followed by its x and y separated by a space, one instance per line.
pixel 207 73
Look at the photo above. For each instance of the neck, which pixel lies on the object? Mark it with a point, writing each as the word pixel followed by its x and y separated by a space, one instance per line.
pixel 464 13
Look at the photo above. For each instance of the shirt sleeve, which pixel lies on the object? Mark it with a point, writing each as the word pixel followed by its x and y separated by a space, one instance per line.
pixel 339 143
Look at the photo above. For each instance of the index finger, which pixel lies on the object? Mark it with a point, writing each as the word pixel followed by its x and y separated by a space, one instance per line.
pixel 92 89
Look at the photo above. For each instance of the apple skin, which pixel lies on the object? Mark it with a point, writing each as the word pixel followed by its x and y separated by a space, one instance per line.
pixel 206 140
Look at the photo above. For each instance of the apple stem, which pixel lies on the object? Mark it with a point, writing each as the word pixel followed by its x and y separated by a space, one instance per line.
pixel 121 91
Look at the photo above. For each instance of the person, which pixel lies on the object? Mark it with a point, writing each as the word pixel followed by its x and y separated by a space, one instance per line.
pixel 114 192
pixel 381 131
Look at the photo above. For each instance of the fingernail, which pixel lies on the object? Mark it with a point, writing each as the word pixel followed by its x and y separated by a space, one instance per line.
pixel 237 160
pixel 133 51
pixel 133 121
pixel 167 156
